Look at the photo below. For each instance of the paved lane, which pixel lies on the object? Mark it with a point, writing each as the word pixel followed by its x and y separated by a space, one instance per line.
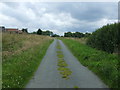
pixel 47 75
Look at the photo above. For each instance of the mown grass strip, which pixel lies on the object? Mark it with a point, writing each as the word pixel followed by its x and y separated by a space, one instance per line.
pixel 18 69
pixel 103 64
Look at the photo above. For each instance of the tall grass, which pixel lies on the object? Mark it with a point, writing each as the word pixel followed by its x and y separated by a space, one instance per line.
pixel 22 60
pixel 101 63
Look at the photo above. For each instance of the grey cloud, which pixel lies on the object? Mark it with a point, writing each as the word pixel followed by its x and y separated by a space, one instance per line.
pixel 82 16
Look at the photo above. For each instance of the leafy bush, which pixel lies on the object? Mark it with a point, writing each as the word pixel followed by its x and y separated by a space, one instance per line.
pixel 105 38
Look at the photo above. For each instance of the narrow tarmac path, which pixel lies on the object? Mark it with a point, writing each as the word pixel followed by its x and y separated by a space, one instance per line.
pixel 47 75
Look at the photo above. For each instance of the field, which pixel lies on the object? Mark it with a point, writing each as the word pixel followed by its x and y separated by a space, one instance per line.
pixel 21 56
pixel 101 63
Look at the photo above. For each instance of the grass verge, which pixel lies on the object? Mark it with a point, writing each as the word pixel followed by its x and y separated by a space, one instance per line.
pixel 18 68
pixel 101 63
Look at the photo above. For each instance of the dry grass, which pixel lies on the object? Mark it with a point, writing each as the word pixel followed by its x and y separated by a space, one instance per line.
pixel 22 54
pixel 16 43
pixel 81 40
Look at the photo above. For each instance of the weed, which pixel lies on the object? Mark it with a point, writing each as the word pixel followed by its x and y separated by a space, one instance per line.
pixel 59 52
pixel 60 55
pixel 76 87
pixel 63 69
pixel 58 47
pixel 62 64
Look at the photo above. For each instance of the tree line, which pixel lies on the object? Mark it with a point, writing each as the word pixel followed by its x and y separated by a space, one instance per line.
pixel 106 38
pixel 41 32
pixel 76 34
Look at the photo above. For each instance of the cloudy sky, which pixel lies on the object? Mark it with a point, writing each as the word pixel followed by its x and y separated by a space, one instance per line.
pixel 58 17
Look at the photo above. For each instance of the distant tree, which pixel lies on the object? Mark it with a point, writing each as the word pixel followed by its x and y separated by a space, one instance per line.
pixel 55 35
pixel 34 32
pixel 68 34
pixel 39 32
pixel 87 34
pixel 76 34
pixel 48 33
pixel 25 30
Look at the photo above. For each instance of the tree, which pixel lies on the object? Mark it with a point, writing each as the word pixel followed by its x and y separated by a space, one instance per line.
pixel 68 34
pixel 55 35
pixel 87 34
pixel 25 30
pixel 39 32
pixel 76 34
pixel 48 33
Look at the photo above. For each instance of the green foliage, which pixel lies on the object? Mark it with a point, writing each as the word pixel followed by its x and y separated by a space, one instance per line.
pixel 65 73
pixel 76 34
pixel 76 87
pixel 48 33
pixel 55 35
pixel 60 55
pixel 103 64
pixel 87 34
pixel 39 32
pixel 62 63
pixel 25 30
pixel 59 52
pixel 105 38
pixel 58 47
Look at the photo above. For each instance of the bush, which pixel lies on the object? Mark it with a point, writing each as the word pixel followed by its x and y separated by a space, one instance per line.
pixel 105 38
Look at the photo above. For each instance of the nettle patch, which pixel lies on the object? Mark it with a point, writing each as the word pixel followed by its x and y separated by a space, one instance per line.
pixel 62 65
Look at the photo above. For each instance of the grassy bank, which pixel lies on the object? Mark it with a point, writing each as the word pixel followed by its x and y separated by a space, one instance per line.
pixel 22 55
pixel 101 63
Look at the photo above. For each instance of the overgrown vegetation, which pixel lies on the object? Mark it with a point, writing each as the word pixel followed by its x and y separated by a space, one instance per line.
pixel 103 64
pixel 22 54
pixel 106 38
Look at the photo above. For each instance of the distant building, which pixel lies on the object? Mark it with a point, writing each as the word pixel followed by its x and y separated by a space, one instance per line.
pixel 11 30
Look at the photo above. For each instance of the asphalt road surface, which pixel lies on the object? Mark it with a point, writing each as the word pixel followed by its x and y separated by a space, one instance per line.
pixel 47 75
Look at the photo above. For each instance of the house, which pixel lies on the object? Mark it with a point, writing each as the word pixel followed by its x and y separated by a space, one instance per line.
pixel 10 30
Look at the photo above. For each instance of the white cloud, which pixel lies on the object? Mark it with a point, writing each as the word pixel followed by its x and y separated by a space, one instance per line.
pixel 59 0
pixel 60 20
pixel 105 21
pixel 58 17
